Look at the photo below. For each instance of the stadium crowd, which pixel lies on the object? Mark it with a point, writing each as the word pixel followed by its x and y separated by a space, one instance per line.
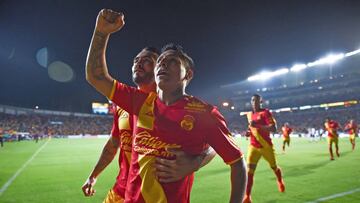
pixel 42 125
pixel 39 124
pixel 303 121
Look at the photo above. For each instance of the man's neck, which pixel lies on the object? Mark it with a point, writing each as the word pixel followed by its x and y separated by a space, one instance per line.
pixel 257 110
pixel 147 87
pixel 170 97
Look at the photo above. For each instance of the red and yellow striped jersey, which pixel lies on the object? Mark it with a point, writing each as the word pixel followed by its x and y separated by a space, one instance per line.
pixel 286 131
pixel 331 127
pixel 122 128
pixel 261 118
pixel 352 129
pixel 188 124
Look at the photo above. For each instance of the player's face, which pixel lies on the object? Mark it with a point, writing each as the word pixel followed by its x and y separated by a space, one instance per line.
pixel 255 102
pixel 170 71
pixel 143 67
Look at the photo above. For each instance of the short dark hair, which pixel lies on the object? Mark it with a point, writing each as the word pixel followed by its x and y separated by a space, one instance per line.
pixel 257 95
pixel 179 50
pixel 151 49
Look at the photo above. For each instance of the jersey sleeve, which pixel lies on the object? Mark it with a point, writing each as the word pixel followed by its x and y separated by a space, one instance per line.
pixel 269 119
pixel 115 126
pixel 220 139
pixel 127 98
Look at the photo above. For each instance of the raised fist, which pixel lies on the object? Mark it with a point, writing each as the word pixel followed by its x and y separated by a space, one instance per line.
pixel 109 21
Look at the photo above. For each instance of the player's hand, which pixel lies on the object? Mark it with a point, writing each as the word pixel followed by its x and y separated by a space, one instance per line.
pixel 88 187
pixel 174 170
pixel 252 124
pixel 248 133
pixel 109 21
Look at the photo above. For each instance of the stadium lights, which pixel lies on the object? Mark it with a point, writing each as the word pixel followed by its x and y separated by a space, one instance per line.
pixel 225 104
pixel 298 67
pixel 330 59
pixel 352 53
pixel 281 71
pixel 267 75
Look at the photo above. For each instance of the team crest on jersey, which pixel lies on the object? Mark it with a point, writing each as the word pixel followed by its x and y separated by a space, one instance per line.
pixel 187 122
pixel 195 106
pixel 124 115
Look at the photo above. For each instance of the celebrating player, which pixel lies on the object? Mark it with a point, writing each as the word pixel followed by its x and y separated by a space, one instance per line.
pixel 143 76
pixel 261 123
pixel 169 120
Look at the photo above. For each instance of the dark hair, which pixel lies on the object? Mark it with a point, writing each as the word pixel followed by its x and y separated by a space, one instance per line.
pixel 151 49
pixel 179 50
pixel 257 95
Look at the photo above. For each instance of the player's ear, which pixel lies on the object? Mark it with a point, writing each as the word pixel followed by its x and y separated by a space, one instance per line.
pixel 189 74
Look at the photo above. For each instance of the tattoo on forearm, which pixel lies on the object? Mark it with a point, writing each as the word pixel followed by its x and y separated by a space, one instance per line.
pixel 96 62
pixel 106 157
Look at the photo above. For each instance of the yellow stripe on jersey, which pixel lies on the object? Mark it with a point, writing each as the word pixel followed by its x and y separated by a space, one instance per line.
pixel 256 133
pixel 110 97
pixel 146 115
pixel 151 189
pixel 123 121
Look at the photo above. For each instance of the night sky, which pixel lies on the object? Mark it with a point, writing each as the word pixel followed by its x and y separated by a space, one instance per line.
pixel 228 40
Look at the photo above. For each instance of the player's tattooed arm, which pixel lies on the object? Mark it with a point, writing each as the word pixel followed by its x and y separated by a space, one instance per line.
pixel 108 153
pixel 97 74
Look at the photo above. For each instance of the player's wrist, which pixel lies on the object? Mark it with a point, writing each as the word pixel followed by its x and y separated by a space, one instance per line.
pixel 101 33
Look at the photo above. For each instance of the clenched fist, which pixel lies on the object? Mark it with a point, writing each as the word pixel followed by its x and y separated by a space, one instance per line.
pixel 109 21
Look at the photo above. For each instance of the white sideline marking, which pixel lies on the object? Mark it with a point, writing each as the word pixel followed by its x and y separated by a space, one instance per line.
pixel 335 196
pixel 8 183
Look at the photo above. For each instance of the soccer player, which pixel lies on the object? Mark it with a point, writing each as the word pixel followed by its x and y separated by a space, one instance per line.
pixel 167 120
pixel 261 124
pixel 331 127
pixel 352 129
pixel 143 77
pixel 2 132
pixel 286 131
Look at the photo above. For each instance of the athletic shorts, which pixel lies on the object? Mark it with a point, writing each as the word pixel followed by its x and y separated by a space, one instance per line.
pixel 352 137
pixel 332 140
pixel 254 155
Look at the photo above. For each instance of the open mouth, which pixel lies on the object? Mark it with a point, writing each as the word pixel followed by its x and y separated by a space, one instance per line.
pixel 162 73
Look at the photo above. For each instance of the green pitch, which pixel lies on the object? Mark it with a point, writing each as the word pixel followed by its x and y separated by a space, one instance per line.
pixel 58 171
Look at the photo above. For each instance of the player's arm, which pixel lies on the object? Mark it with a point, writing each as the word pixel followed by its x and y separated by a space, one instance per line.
pixel 108 153
pixel 270 127
pixel 220 139
pixel 184 164
pixel 238 181
pixel 97 75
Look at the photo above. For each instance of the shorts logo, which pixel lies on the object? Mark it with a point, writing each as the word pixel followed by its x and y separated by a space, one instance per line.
pixel 187 123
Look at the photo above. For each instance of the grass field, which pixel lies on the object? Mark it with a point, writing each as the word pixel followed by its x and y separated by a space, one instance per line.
pixel 58 171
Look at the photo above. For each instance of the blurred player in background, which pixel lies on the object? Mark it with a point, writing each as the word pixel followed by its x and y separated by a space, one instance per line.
pixel 352 129
pixel 261 124
pixel 286 131
pixel 332 127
